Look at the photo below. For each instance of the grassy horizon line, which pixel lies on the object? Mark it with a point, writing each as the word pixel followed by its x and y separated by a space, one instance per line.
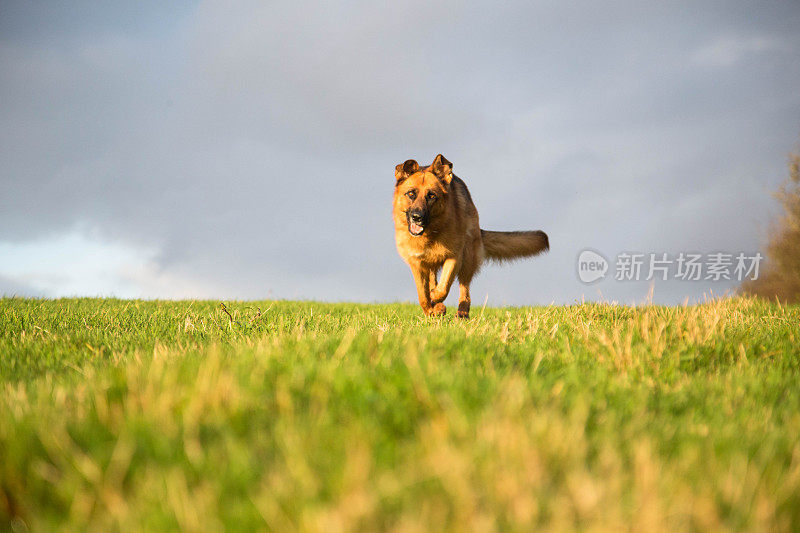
pixel 287 415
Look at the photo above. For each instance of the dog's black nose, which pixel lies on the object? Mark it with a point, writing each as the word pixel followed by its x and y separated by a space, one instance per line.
pixel 417 216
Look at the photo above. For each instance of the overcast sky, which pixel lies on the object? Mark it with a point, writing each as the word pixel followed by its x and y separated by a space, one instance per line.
pixel 246 150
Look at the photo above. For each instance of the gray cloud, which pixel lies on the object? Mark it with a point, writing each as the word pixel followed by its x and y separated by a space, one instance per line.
pixel 253 146
pixel 13 287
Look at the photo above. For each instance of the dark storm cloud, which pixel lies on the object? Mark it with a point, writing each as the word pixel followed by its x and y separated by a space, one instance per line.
pixel 253 146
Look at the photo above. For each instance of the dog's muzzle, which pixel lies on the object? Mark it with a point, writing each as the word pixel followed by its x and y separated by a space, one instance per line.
pixel 417 220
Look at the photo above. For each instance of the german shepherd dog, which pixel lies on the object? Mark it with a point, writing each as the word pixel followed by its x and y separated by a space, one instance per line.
pixel 436 229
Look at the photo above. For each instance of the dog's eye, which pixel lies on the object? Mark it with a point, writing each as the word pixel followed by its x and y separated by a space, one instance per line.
pixel 411 194
pixel 431 197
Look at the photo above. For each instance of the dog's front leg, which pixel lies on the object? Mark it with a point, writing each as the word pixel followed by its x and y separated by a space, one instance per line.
pixel 422 280
pixel 445 281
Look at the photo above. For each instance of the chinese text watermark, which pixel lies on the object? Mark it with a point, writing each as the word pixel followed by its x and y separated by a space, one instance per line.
pixel 684 266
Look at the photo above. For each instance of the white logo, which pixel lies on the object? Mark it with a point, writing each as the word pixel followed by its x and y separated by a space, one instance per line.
pixel 591 266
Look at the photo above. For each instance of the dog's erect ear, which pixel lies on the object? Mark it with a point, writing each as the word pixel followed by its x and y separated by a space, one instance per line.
pixel 404 170
pixel 442 168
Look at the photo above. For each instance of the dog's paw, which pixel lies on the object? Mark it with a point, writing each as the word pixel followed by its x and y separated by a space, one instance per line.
pixel 462 312
pixel 437 310
pixel 437 296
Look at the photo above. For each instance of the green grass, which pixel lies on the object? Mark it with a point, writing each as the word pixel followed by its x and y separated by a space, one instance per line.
pixel 326 417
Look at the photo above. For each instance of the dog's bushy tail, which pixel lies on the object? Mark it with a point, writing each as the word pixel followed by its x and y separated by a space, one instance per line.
pixel 508 245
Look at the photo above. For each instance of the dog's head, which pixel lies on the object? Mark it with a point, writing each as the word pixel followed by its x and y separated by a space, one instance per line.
pixel 422 191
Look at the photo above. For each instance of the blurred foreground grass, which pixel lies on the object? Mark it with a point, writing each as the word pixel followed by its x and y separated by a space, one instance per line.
pixel 328 417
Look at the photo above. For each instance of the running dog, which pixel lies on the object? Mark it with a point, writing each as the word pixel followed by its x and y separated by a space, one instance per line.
pixel 436 229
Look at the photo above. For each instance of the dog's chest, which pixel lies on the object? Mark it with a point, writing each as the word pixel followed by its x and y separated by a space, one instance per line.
pixel 423 250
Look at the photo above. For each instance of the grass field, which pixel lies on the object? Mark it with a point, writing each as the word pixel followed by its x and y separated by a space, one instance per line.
pixel 329 417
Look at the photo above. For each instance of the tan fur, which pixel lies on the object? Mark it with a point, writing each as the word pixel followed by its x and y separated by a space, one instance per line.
pixel 452 242
pixel 507 245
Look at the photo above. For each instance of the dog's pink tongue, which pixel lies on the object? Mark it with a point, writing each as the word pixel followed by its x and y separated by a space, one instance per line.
pixel 415 228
